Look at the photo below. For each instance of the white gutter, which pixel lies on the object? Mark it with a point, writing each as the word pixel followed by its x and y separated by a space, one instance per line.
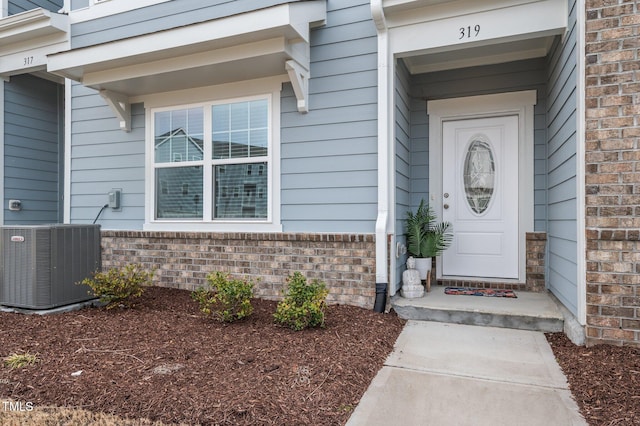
pixel 382 274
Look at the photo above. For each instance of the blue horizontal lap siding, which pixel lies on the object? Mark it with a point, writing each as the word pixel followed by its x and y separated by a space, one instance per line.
pixel 104 157
pixel 18 6
pixel 32 150
pixel 329 156
pixel 561 168
pixel 403 158
pixel 160 17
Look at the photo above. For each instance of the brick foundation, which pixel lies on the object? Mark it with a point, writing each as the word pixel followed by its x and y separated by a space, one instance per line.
pixel 345 262
pixel 612 161
pixel 535 269
pixel 536 255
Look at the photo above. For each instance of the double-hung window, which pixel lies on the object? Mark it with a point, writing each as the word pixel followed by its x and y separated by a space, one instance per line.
pixel 211 162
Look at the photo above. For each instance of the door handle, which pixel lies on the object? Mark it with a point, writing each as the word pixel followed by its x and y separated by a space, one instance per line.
pixel 446 206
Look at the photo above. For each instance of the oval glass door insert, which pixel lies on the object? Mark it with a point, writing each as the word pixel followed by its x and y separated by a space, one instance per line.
pixel 479 174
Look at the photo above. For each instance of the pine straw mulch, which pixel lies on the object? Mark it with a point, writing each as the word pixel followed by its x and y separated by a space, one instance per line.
pixel 604 380
pixel 162 361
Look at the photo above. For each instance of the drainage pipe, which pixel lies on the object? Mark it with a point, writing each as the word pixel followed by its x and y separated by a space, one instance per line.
pixel 382 274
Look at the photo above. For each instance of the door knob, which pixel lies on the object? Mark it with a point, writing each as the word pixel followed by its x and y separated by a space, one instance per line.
pixel 446 206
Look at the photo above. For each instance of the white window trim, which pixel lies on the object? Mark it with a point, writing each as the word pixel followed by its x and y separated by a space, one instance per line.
pixel 206 97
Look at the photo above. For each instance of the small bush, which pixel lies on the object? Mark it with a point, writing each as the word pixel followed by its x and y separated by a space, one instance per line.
pixel 225 299
pixel 303 305
pixel 117 287
pixel 20 360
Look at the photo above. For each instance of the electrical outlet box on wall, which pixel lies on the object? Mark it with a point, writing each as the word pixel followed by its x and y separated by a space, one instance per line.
pixel 115 198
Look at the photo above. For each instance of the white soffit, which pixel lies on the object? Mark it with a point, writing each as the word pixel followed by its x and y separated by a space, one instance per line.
pixel 28 37
pixel 434 35
pixel 246 46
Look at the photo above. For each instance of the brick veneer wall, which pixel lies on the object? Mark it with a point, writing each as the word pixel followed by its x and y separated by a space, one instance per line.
pixel 536 247
pixel 536 255
pixel 182 260
pixel 613 171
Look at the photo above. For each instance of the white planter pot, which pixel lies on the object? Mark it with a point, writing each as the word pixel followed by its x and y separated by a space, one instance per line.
pixel 423 265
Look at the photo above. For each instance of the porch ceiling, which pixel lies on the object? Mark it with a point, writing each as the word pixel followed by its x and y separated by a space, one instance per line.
pixel 240 47
pixel 479 55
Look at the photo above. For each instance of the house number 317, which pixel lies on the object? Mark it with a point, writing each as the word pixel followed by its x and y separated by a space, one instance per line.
pixel 469 32
pixel 28 60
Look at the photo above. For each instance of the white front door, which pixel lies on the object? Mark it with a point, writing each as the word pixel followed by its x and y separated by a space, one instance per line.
pixel 480 197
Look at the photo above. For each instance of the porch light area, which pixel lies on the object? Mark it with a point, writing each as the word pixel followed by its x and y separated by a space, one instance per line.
pixel 27 38
pixel 263 43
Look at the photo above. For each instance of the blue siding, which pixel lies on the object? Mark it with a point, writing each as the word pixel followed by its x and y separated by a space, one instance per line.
pixel 508 77
pixel 329 156
pixel 104 157
pixel 402 160
pixel 17 6
pixel 419 152
pixel 561 167
pixel 32 151
pixel 160 17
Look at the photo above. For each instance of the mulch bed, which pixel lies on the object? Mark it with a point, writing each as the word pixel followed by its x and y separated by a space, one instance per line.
pixel 163 361
pixel 604 380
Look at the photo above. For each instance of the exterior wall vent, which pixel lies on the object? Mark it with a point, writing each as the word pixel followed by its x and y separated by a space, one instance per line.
pixel 40 265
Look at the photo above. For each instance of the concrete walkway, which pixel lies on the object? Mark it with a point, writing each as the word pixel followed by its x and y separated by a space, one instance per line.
pixel 452 374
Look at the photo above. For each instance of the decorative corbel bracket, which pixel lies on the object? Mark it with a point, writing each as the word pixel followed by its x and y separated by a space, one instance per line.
pixel 121 106
pixel 299 77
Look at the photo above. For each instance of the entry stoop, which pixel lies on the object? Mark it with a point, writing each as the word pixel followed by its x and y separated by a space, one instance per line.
pixel 530 311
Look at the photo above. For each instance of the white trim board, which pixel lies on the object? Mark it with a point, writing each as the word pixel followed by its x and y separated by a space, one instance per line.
pixel 2 118
pixel 100 9
pixel 514 103
pixel 67 151
pixel 4 11
pixel 581 279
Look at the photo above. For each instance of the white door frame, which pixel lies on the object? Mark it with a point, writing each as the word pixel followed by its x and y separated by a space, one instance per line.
pixel 482 106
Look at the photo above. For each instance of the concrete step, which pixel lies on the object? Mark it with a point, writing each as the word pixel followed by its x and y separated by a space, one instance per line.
pixel 529 311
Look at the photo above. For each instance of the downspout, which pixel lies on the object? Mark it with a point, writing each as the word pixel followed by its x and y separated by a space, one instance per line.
pixel 382 275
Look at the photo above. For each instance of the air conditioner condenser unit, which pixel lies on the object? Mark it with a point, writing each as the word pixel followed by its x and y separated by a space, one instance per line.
pixel 41 264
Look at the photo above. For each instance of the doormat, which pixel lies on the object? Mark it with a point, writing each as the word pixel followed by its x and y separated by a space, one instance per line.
pixel 488 292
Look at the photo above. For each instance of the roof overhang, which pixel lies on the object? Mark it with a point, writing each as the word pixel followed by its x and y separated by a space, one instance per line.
pixel 435 35
pixel 28 37
pixel 266 42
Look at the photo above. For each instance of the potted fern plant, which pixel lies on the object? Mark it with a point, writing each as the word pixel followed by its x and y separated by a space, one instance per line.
pixel 426 238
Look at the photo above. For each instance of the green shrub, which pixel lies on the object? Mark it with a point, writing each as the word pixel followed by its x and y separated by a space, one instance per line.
pixel 117 287
pixel 225 299
pixel 303 305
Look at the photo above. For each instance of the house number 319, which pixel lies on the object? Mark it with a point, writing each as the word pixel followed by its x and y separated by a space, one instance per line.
pixel 469 32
